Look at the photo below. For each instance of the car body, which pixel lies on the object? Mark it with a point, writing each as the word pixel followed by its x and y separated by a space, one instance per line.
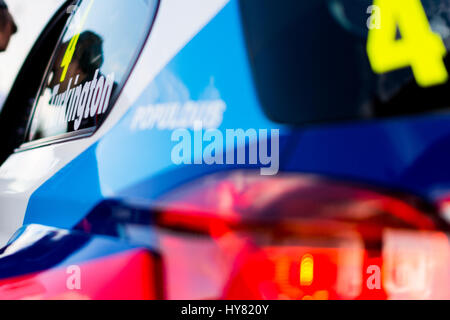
pixel 356 209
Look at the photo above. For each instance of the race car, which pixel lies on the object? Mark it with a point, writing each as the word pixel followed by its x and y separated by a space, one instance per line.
pixel 230 149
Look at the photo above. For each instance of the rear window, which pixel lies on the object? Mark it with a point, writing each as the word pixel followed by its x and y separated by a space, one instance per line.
pixel 91 63
pixel 334 60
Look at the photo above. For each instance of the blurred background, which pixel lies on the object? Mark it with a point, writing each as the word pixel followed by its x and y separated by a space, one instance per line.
pixel 31 17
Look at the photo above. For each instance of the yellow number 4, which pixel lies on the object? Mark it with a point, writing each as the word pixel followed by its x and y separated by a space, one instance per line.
pixel 419 47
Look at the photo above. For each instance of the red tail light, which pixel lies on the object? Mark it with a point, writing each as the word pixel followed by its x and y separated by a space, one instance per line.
pixel 244 236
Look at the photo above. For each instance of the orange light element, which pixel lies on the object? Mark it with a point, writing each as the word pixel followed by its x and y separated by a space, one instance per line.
pixel 278 273
pixel 307 270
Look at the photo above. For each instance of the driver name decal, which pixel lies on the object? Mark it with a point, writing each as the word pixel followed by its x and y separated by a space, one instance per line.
pixel 81 101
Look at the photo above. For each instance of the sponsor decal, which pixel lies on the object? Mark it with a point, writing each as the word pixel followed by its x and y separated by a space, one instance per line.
pixel 80 101
pixel 176 115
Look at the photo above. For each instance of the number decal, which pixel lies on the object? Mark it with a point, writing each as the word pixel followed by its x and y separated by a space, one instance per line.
pixel 419 47
pixel 68 55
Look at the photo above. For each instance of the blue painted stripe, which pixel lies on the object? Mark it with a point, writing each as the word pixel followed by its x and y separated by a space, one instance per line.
pixel 36 248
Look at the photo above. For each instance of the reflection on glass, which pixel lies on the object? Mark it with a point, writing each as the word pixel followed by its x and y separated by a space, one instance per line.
pixel 90 65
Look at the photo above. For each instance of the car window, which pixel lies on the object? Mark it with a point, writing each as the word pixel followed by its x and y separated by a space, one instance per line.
pixel 91 63
pixel 338 60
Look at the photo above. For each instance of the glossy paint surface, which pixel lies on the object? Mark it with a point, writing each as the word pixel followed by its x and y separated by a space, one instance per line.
pixel 60 185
